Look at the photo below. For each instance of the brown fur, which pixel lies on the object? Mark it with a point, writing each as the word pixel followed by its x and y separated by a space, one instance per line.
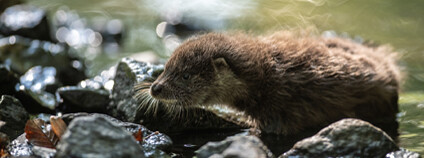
pixel 285 82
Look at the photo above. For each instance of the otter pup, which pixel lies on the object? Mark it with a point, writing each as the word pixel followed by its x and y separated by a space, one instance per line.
pixel 284 82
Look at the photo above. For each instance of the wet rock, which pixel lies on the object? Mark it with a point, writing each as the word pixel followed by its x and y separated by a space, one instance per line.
pixel 33 101
pixel 102 81
pixel 21 54
pixel 96 136
pixel 403 153
pixel 43 152
pixel 37 101
pixel 40 78
pixel 128 72
pixel 20 147
pixel 8 80
pixel 25 20
pixel 77 99
pixel 14 115
pixel 153 143
pixel 236 147
pixel 125 107
pixel 345 138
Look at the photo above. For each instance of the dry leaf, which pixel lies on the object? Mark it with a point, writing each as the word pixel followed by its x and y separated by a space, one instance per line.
pixel 4 141
pixel 138 136
pixel 36 136
pixel 58 126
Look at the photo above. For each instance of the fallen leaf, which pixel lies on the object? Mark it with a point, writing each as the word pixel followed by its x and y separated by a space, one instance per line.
pixel 4 153
pixel 36 136
pixel 4 141
pixel 138 136
pixel 58 126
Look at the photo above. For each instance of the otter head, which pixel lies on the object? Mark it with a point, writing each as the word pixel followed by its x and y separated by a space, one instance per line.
pixel 197 73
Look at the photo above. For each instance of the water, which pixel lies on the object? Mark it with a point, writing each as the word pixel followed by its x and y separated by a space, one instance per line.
pixel 397 23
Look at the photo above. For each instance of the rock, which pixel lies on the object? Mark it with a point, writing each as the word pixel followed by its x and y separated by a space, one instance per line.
pixel 8 80
pixel 25 20
pixel 14 115
pixel 21 54
pixel 125 107
pixel 33 101
pixel 20 147
pixel 403 153
pixel 77 99
pixel 153 144
pixel 235 147
pixel 96 136
pixel 40 78
pixel 43 152
pixel 345 138
pixel 37 101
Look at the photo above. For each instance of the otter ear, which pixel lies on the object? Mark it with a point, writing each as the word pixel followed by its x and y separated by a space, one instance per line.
pixel 219 64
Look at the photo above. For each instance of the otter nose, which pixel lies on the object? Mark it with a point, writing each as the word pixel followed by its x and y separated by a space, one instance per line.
pixel 156 89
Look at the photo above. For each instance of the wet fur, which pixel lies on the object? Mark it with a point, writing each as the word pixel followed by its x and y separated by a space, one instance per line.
pixel 284 82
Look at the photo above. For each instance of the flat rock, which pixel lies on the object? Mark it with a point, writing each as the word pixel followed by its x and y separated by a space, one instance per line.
pixel 96 136
pixel 235 147
pixel 77 99
pixel 14 115
pixel 345 138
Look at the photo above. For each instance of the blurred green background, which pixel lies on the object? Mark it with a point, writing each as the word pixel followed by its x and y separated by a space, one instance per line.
pixel 394 22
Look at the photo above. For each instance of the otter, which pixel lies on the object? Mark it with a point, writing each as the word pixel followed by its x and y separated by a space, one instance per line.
pixel 284 82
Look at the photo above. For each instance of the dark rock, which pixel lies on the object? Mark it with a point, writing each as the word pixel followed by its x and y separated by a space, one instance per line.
pixel 235 147
pixel 96 136
pixel 21 54
pixel 125 107
pixel 8 80
pixel 20 147
pixel 33 101
pixel 14 115
pixel 345 138
pixel 37 101
pixel 25 20
pixel 77 99
pixel 403 153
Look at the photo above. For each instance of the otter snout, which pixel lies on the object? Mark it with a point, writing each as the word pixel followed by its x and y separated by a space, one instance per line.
pixel 156 89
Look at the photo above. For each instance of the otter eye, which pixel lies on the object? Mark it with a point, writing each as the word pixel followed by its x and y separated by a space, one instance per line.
pixel 186 76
